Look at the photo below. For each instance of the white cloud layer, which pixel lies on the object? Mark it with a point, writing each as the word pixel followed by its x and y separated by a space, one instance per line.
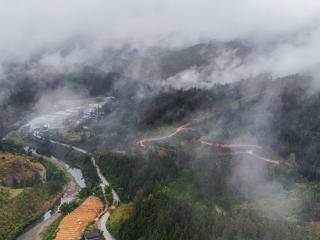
pixel 285 29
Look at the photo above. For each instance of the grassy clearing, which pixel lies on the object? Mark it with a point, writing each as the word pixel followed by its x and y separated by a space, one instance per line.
pixel 49 232
pixel 16 137
pixel 18 212
pixel 72 135
pixel 13 192
pixel 20 170
pixel 21 207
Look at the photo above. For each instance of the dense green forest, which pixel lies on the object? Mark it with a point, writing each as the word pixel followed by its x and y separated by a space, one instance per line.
pixel 182 189
pixel 180 185
pixel 175 191
pixel 204 117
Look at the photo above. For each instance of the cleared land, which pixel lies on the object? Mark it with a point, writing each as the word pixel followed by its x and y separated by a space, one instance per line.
pixel 19 207
pixel 74 224
pixel 20 170
pixel 12 192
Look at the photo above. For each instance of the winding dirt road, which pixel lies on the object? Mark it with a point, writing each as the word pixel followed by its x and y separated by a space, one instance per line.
pixel 182 128
pixel 249 149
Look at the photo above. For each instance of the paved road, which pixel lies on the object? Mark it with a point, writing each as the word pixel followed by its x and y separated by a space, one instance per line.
pixel 104 218
pixel 104 183
pixel 33 233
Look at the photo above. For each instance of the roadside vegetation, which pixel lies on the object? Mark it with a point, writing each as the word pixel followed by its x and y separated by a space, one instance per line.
pixel 49 232
pixel 20 207
pixel 174 192
pixel 181 190
pixel 81 161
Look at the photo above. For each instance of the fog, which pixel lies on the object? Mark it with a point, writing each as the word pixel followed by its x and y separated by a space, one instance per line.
pixel 76 31
pixel 283 36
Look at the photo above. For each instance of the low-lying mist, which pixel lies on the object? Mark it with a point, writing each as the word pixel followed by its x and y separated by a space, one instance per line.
pixel 248 68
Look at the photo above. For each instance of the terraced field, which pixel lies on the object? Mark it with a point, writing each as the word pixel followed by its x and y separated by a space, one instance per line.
pixel 74 224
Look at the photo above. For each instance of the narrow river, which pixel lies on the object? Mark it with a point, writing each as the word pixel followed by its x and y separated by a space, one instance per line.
pixel 70 192
pixel 104 218
pixel 55 120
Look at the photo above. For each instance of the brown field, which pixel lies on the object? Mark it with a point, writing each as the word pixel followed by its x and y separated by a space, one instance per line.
pixel 74 135
pixel 20 168
pixel 74 224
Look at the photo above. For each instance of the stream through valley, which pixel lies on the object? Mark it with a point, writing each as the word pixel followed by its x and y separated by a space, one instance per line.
pixel 56 120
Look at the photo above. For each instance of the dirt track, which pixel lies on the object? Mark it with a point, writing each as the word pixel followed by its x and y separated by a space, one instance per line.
pixel 249 148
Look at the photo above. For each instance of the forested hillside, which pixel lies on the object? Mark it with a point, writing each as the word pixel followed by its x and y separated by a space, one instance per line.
pixel 204 193
pixel 229 161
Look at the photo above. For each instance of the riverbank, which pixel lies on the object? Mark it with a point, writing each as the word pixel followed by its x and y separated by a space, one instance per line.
pixel 82 159
pixel 23 209
pixel 69 192
pixel 104 183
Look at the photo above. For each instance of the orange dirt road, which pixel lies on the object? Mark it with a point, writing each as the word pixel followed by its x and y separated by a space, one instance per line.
pixel 185 127
pixel 74 224
pixel 229 146
pixel 182 128
pixel 250 152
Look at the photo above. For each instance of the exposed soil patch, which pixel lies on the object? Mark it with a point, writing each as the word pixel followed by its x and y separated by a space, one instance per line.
pixel 74 224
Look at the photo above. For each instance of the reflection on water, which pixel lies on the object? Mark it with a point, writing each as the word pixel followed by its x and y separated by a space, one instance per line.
pixel 78 177
pixel 76 112
pixel 77 174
